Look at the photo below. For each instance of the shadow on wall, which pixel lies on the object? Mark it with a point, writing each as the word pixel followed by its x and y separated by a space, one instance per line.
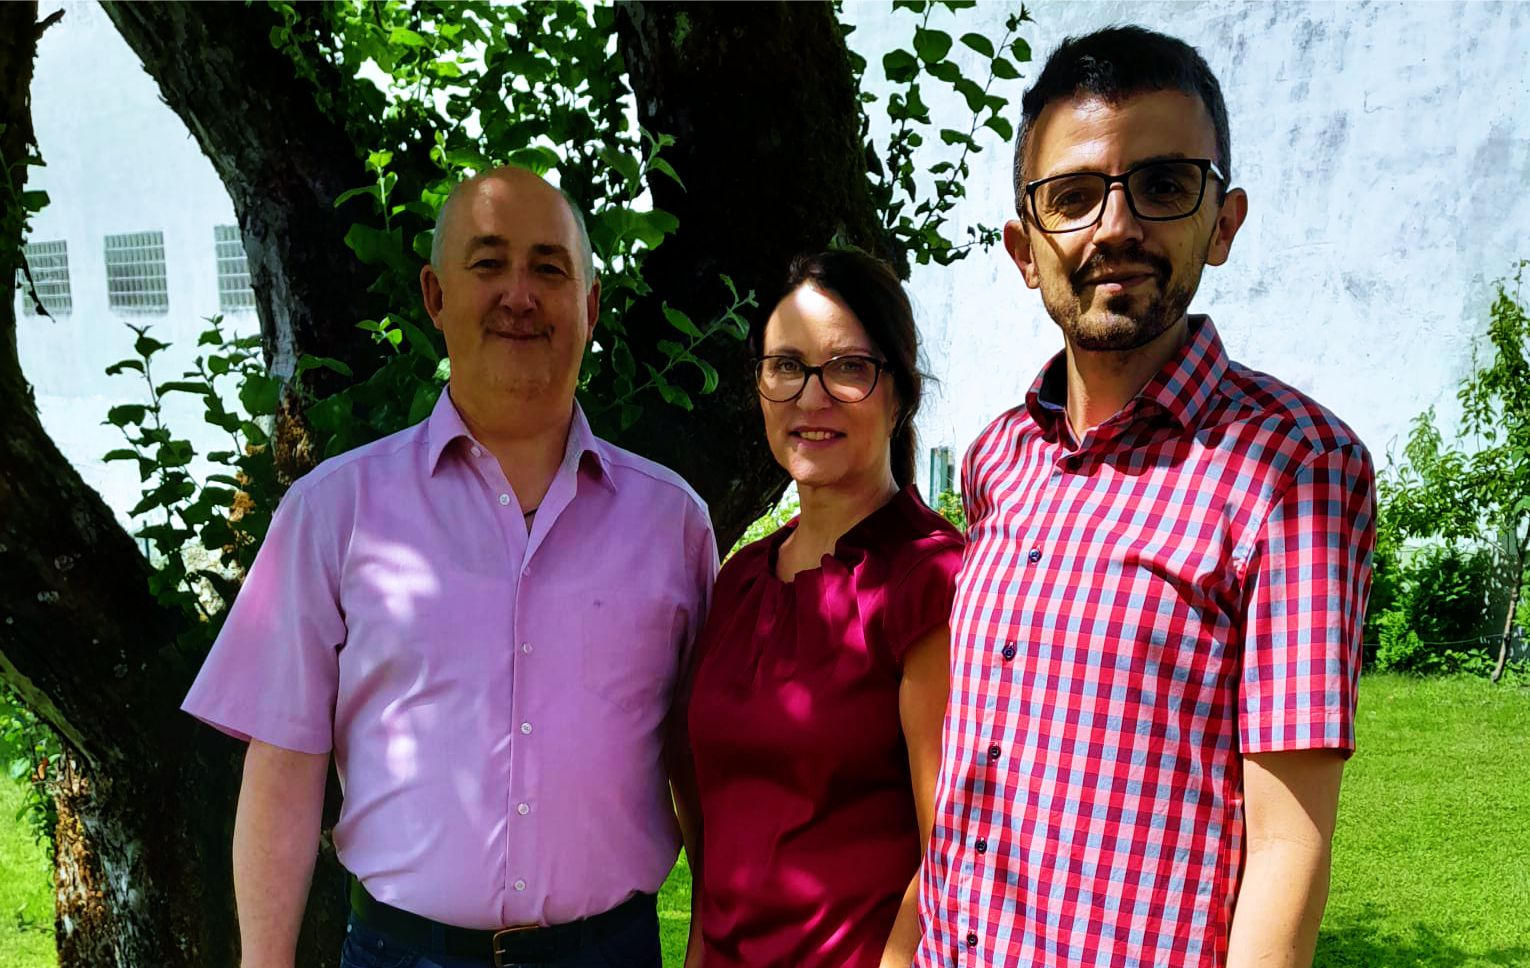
pixel 1370 939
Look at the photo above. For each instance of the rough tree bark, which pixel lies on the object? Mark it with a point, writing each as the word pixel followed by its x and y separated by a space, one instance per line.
pixel 761 99
pixel 763 106
pixel 143 802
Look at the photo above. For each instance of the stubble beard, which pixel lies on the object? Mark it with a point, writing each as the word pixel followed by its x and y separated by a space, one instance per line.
pixel 1119 327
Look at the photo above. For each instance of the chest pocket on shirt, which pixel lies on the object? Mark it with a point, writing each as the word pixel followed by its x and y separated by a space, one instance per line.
pixel 631 649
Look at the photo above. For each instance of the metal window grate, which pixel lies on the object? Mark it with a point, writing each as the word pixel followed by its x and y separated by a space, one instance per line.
pixel 234 293
pixel 135 273
pixel 49 262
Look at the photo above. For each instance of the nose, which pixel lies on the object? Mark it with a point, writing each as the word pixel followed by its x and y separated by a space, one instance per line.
pixel 813 395
pixel 1117 223
pixel 518 295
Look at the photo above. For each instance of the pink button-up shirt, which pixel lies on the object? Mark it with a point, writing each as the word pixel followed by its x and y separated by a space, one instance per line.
pixel 495 700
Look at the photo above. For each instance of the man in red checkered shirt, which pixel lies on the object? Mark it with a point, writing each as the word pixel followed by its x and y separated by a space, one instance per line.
pixel 1156 632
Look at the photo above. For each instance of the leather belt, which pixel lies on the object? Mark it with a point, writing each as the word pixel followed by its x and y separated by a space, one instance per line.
pixel 529 943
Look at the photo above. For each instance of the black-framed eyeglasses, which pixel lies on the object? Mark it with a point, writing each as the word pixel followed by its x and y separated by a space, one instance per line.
pixel 1156 191
pixel 848 379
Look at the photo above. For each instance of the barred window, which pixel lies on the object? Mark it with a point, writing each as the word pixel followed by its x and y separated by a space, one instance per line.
pixel 234 293
pixel 49 262
pixel 135 273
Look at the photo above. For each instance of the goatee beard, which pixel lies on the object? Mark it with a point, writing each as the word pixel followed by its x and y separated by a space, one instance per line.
pixel 1120 328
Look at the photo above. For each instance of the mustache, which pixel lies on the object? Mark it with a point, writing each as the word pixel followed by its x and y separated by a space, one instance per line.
pixel 1105 261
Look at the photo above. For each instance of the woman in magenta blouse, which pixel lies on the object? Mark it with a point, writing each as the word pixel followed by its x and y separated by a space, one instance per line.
pixel 822 672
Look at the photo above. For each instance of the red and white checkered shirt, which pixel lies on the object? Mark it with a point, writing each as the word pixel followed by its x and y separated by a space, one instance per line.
pixel 1134 613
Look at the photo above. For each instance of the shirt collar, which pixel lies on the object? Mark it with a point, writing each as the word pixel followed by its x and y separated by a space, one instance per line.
pixel 1181 389
pixel 583 450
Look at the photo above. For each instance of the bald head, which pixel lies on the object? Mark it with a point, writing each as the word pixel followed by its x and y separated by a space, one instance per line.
pixel 514 175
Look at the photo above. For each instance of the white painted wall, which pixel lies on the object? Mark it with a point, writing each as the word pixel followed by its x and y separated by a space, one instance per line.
pixel 1386 149
pixel 117 160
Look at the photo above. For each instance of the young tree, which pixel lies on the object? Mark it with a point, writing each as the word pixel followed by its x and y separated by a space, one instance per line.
pixel 752 147
pixel 1478 487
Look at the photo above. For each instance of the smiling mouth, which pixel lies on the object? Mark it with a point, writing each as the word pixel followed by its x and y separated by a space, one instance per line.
pixel 816 435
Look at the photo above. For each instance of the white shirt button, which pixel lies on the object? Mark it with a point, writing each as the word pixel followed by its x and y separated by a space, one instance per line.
pixel 525 729
pixel 520 885
pixel 526 647
pixel 523 809
pixel 504 500
pixel 476 452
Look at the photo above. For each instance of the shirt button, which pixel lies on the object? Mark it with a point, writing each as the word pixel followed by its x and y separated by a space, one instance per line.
pixel 994 751
pixel 522 809
pixel 525 729
pixel 520 885
pixel 504 500
pixel 972 939
pixel 476 452
pixel 981 845
pixel 1009 651
pixel 1035 555
pixel 526 648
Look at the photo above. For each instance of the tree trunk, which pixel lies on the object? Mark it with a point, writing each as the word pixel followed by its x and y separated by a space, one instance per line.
pixel 1521 573
pixel 762 103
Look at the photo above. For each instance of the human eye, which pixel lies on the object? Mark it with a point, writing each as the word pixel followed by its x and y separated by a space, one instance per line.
pixel 551 269
pixel 853 365
pixel 487 263
pixel 783 365
pixel 1071 195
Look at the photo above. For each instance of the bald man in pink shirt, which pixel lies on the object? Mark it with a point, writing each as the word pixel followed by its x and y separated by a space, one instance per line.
pixel 482 619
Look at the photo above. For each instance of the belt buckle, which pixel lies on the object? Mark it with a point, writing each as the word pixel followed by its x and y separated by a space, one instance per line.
pixel 499 953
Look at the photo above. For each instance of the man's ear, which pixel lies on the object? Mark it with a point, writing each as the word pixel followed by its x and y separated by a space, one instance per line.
pixel 1230 216
pixel 1017 242
pixel 431 294
pixel 591 311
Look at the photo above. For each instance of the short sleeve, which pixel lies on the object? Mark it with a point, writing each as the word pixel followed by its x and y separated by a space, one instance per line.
pixel 920 601
pixel 1306 587
pixel 273 672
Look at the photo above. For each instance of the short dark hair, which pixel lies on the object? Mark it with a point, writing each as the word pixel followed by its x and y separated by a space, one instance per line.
pixel 1113 64
pixel 871 290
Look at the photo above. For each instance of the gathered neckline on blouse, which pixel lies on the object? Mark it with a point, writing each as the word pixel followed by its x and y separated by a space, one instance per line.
pixel 855 538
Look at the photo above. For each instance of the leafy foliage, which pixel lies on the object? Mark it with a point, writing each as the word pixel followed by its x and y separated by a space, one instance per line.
pixel 916 215
pixel 949 506
pixel 1438 620
pixel 1478 487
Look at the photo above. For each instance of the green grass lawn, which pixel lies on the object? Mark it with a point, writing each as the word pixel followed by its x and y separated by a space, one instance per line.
pixel 26 895
pixel 1431 859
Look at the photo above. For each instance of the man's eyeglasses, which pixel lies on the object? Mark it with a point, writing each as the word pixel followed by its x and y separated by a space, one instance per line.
pixel 848 379
pixel 1156 191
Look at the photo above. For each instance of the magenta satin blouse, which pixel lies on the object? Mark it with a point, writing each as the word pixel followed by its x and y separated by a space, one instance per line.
pixel 807 804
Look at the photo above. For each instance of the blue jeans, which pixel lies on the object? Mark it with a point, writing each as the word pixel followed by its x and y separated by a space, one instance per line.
pixel 635 946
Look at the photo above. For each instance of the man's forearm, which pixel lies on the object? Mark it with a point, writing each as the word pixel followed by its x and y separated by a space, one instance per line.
pixel 276 839
pixel 1279 906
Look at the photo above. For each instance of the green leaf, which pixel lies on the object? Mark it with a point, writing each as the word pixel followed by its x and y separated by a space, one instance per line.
pixel 675 396
pixel 147 345
pixel 120 454
pixel 946 71
pixel 175 453
pixel 125 414
pixel 681 321
pixel 306 363
pixel 900 66
pixel 709 379
pixel 378 246
pixel 536 158
pixel 1001 127
pixel 931 45
pixel 121 365
pixel 183 386
pixel 660 165
pixel 260 394
pixel 468 158
pixel 370 191
pixel 1021 50
pixel 1003 69
pixel 917 6
pixel 404 37
pixel 35 200
pixel 979 43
